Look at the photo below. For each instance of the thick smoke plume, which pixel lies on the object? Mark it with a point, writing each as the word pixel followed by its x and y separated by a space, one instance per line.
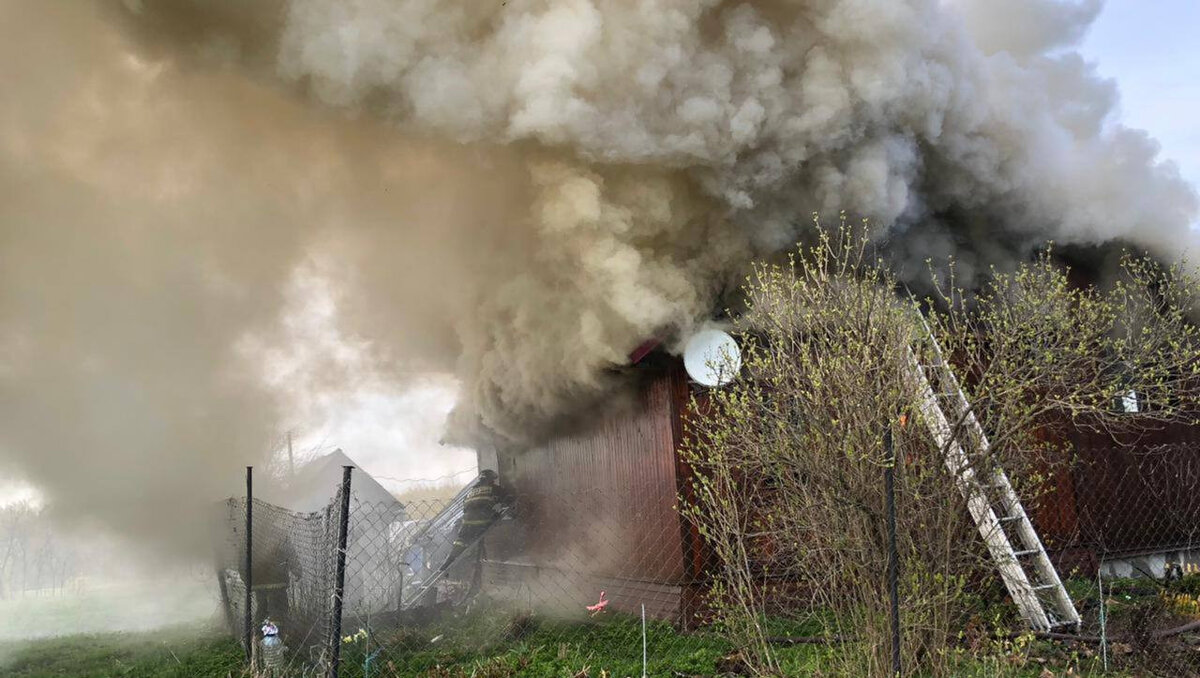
pixel 517 193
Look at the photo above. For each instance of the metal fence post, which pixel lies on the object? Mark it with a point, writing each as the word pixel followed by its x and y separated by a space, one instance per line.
pixel 339 583
pixel 247 622
pixel 889 482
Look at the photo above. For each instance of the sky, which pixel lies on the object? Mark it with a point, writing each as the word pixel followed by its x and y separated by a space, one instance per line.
pixel 1151 48
pixel 393 434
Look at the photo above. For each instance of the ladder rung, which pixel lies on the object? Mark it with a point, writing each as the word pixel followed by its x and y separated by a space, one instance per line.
pixel 1060 623
pixel 1026 552
pixel 1045 587
pixel 1009 519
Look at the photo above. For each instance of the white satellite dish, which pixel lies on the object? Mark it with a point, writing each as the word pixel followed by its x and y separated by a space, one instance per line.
pixel 712 358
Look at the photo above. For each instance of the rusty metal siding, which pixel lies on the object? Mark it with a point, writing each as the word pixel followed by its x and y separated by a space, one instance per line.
pixel 1124 499
pixel 1139 498
pixel 602 501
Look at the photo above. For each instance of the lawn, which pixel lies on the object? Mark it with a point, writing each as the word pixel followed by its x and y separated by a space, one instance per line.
pixel 105 630
pixel 110 606
pixel 490 642
pixel 179 652
pixel 549 651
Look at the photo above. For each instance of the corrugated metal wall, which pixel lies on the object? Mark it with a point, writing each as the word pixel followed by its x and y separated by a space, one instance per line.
pixel 599 504
pixel 602 501
pixel 1140 498
pixel 1125 499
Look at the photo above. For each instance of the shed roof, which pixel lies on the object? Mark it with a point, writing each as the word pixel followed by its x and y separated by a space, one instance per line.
pixel 316 484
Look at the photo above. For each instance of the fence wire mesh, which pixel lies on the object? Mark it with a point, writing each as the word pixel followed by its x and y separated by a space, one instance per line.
pixel 514 597
pixel 559 591
pixel 1124 527
pixel 292 583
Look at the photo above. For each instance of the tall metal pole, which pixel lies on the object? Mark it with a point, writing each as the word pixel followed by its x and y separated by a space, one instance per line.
pixel 335 638
pixel 247 621
pixel 889 482
pixel 291 459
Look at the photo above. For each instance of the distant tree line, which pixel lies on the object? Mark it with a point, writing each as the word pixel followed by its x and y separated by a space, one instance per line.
pixel 35 558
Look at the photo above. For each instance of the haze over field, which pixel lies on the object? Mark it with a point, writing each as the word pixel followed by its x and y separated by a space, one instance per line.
pixel 219 220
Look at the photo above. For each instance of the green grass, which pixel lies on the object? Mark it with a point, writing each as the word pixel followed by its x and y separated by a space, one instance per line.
pixel 491 645
pixel 486 645
pixel 181 652
pixel 552 651
pixel 491 642
pixel 481 645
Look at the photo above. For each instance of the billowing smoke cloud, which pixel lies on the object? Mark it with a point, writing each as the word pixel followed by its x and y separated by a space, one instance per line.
pixel 518 192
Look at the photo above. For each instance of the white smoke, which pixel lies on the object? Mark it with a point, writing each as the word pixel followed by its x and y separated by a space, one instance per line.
pixel 969 126
pixel 517 193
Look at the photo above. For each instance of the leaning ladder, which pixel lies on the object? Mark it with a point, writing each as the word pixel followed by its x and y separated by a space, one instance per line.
pixel 1028 574
pixel 442 528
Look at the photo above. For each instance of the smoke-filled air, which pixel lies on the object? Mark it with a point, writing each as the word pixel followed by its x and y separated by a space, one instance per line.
pixel 513 193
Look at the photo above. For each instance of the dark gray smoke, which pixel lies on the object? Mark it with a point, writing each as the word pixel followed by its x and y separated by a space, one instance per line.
pixel 518 193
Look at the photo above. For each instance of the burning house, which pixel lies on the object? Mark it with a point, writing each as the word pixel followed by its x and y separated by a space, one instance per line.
pixel 599 506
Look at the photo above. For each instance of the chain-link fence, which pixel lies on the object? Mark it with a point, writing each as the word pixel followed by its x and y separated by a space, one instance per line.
pixel 1124 525
pixel 292 578
pixel 557 590
pixel 568 590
